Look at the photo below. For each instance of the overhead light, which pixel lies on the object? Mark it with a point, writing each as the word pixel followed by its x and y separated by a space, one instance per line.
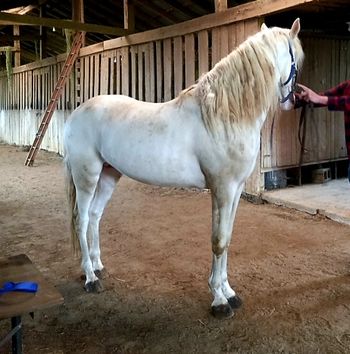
pixel 53 29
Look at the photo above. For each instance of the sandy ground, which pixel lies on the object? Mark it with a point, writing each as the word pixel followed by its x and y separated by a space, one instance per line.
pixel 291 269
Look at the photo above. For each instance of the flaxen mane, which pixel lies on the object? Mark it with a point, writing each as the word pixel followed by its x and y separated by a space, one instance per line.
pixel 242 85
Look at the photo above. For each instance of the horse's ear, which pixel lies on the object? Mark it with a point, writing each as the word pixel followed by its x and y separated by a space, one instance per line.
pixel 263 27
pixel 294 31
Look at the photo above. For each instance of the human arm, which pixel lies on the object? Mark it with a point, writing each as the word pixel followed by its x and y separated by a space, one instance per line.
pixel 311 96
pixel 339 97
pixel 336 98
pixel 339 90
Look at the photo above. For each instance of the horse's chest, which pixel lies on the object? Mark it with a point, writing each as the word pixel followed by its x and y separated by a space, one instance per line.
pixel 238 156
pixel 243 147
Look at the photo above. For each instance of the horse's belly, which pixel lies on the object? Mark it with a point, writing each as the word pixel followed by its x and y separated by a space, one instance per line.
pixel 188 180
pixel 158 169
pixel 163 176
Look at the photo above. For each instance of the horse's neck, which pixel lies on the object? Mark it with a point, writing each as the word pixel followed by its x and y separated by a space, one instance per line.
pixel 240 89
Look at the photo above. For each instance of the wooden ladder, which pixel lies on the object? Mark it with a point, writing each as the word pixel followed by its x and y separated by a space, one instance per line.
pixel 67 68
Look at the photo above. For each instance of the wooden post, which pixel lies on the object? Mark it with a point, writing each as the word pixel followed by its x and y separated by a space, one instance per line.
pixel 17 46
pixel 129 15
pixel 78 14
pixel 42 31
pixel 220 5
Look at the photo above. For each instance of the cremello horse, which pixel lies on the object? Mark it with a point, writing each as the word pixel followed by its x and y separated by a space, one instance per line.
pixel 207 137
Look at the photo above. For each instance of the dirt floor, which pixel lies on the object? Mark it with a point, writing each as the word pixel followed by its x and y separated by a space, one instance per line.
pixel 291 269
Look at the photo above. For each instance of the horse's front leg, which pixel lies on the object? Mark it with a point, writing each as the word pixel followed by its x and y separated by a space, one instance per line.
pixel 233 299
pixel 225 199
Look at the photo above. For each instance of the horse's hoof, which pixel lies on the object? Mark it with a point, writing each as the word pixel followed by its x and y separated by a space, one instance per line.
pixel 222 311
pixel 94 287
pixel 235 302
pixel 101 274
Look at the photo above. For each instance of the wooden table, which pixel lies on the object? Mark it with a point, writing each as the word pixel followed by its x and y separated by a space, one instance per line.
pixel 14 304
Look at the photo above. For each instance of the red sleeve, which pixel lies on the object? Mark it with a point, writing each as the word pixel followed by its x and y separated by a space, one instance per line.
pixel 338 90
pixel 339 103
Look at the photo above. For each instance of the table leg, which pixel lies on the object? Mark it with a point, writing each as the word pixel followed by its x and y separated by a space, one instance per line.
pixel 17 337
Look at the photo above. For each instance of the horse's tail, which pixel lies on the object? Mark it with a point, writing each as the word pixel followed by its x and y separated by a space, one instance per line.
pixel 72 206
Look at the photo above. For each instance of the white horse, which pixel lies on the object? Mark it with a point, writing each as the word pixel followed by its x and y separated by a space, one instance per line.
pixel 207 137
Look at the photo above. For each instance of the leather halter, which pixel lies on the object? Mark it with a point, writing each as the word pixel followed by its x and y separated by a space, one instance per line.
pixel 292 76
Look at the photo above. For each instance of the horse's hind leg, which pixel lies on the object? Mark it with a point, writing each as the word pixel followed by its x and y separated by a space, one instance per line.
pixel 104 190
pixel 86 176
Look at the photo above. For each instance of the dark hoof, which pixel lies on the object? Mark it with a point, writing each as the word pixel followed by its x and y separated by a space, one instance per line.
pixel 94 287
pixel 101 274
pixel 222 311
pixel 235 302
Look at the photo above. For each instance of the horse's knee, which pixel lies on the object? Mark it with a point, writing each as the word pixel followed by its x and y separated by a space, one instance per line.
pixel 218 247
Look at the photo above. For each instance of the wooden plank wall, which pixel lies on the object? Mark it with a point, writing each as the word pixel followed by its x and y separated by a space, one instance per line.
pixel 327 63
pixel 154 71
pixel 157 70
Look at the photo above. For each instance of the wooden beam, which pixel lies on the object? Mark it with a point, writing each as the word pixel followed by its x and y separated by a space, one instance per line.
pixel 78 11
pixel 220 5
pixel 129 15
pixel 78 14
pixel 233 14
pixel 5 48
pixel 17 46
pixel 11 19
pixel 42 31
pixel 22 10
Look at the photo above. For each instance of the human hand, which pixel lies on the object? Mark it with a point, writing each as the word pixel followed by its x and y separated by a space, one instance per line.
pixel 310 96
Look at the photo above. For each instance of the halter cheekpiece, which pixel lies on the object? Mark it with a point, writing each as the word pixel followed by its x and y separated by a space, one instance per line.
pixel 292 75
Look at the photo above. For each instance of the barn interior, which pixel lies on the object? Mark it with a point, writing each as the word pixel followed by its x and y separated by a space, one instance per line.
pixel 292 269
pixel 322 18
pixel 35 31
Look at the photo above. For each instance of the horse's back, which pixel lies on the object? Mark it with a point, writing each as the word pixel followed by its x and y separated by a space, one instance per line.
pixel 98 116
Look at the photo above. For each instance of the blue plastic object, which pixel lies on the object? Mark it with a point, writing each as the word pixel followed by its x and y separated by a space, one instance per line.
pixel 24 286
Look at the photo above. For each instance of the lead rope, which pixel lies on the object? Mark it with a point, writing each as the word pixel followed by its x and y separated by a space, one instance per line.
pixel 302 126
pixel 301 138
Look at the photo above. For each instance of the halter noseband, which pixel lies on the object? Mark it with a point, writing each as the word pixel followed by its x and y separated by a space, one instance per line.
pixel 292 76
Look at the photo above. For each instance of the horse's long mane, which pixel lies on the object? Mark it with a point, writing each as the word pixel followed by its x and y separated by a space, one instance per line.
pixel 243 85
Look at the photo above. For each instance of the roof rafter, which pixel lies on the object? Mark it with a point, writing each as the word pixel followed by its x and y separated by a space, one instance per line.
pixel 12 19
pixel 22 10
